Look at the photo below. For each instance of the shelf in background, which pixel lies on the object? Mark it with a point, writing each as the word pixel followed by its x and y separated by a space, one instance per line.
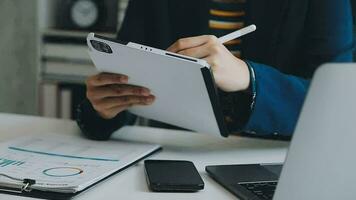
pixel 67 72
pixel 65 52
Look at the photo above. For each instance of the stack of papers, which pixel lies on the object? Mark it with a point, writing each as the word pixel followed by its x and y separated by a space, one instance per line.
pixel 65 164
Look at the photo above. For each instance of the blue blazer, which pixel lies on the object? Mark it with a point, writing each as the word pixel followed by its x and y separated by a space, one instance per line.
pixel 294 37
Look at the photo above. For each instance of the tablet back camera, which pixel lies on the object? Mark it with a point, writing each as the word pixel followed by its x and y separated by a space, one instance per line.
pixel 101 46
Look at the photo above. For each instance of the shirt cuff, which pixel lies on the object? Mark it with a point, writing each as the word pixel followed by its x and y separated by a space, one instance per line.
pixel 94 126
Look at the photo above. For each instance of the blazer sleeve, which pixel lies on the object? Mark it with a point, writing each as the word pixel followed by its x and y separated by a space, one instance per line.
pixel 279 97
pixel 95 127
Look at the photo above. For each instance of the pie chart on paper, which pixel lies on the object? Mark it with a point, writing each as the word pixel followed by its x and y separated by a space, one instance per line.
pixel 62 171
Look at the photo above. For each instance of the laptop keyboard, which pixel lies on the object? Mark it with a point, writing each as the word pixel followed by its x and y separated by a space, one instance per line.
pixel 264 190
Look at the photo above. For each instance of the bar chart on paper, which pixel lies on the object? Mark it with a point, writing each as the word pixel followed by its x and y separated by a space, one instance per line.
pixel 6 162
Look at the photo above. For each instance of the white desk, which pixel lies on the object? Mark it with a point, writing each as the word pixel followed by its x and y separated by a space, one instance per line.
pixel 131 184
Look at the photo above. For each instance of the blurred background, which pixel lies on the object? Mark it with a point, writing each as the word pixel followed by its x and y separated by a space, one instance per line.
pixel 43 59
pixel 43 53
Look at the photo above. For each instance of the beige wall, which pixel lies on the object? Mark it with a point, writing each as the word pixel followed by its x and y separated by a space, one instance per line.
pixel 19 56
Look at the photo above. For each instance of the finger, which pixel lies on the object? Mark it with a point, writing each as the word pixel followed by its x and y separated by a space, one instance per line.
pixel 197 52
pixel 117 91
pixel 191 42
pixel 121 108
pixel 112 102
pixel 106 79
pixel 112 112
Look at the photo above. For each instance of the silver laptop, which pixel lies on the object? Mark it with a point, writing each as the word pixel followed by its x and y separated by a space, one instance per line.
pixel 321 160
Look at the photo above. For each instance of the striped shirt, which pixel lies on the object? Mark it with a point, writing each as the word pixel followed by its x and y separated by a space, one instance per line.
pixel 225 17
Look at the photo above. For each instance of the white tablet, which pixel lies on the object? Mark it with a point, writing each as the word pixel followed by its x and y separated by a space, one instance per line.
pixel 184 87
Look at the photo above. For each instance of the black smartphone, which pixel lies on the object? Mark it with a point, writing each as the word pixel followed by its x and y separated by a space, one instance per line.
pixel 172 176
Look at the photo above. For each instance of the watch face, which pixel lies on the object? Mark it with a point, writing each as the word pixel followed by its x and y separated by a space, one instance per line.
pixel 84 13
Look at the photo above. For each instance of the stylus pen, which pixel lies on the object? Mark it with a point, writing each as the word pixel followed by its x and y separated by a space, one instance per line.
pixel 237 34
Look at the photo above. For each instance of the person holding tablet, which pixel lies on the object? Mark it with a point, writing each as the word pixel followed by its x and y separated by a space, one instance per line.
pixel 262 78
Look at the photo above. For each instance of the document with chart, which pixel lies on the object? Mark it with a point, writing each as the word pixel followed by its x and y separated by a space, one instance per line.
pixel 65 164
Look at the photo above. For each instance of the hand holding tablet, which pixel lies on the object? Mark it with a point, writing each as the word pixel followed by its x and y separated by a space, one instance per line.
pixel 111 94
pixel 182 85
